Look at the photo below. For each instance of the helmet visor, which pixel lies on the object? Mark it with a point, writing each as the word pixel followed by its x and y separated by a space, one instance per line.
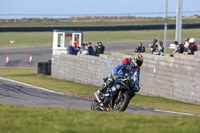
pixel 139 63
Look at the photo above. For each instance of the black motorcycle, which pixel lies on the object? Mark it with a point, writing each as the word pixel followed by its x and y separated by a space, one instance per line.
pixel 117 94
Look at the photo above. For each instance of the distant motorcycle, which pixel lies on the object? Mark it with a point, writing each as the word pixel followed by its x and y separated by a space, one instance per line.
pixel 117 95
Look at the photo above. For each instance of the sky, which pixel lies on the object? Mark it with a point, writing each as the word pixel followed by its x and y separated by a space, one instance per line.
pixel 92 6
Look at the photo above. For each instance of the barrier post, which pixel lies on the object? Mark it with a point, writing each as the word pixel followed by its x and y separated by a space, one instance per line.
pixel 108 66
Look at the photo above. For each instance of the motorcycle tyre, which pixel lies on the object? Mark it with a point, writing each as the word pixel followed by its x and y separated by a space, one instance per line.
pixel 125 103
pixel 92 107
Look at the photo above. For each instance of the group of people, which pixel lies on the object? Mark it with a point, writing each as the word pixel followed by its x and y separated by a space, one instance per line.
pixel 188 48
pixel 86 49
pixel 157 48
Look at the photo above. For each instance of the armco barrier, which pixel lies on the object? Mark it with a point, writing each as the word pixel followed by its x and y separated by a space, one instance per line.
pixel 175 77
pixel 97 28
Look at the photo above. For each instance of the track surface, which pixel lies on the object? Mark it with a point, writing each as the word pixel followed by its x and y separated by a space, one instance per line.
pixel 16 93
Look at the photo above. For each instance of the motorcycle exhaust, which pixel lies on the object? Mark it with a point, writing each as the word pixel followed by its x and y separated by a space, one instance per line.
pixel 95 94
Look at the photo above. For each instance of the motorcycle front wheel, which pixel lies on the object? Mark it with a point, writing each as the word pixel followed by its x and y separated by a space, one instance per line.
pixel 122 103
pixel 95 105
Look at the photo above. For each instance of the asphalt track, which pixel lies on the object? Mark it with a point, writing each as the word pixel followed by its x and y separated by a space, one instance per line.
pixel 17 93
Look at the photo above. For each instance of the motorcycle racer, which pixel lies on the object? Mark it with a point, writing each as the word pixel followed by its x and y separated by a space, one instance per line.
pixel 127 66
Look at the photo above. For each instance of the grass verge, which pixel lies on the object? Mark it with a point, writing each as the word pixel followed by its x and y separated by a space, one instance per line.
pixel 19 119
pixel 100 22
pixel 28 75
pixel 27 39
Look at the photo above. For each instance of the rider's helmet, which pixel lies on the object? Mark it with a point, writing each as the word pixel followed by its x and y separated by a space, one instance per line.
pixel 138 59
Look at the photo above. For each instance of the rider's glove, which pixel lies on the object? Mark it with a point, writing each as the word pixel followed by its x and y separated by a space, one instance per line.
pixel 136 88
pixel 115 76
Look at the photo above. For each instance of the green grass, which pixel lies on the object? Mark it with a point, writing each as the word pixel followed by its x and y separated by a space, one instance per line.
pixel 19 119
pixel 28 75
pixel 27 39
pixel 121 22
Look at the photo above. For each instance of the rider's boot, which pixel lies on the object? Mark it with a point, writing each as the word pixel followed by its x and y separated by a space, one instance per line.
pixel 100 91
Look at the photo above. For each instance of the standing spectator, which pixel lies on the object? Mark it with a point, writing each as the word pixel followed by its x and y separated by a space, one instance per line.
pixel 71 50
pixel 100 49
pixel 160 49
pixel 76 42
pixel 85 51
pixel 140 48
pixel 186 48
pixel 189 49
pixel 179 47
pixel 76 49
pixel 90 49
pixel 192 40
pixel 95 48
pixel 153 46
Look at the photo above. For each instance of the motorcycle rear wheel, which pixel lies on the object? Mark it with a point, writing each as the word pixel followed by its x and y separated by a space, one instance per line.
pixel 123 103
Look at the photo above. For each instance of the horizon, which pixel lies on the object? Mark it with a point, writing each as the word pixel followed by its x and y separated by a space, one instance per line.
pixel 89 7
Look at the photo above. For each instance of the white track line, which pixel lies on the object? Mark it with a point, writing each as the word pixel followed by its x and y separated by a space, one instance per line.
pixel 172 112
pixel 40 88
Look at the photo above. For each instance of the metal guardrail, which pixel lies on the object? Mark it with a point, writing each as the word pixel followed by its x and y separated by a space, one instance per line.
pixel 98 28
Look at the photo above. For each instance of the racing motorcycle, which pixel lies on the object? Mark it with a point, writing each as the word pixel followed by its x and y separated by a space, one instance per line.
pixel 117 96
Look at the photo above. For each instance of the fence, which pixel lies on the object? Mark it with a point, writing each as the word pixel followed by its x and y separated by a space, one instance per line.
pixel 174 78
pixel 98 28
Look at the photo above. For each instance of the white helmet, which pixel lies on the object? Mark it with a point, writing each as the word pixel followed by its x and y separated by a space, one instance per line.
pixel 191 40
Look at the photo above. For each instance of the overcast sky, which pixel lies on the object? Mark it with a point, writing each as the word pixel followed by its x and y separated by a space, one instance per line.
pixel 92 6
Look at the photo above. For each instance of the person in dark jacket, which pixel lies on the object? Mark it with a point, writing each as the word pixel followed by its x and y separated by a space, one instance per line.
pixel 179 48
pixel 160 49
pixel 90 49
pixel 186 48
pixel 192 40
pixel 189 49
pixel 71 50
pixel 140 48
pixel 153 46
pixel 100 49
pixel 95 48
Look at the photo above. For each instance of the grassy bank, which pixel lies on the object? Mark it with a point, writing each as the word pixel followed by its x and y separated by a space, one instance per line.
pixel 19 119
pixel 27 39
pixel 28 75
pixel 100 22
